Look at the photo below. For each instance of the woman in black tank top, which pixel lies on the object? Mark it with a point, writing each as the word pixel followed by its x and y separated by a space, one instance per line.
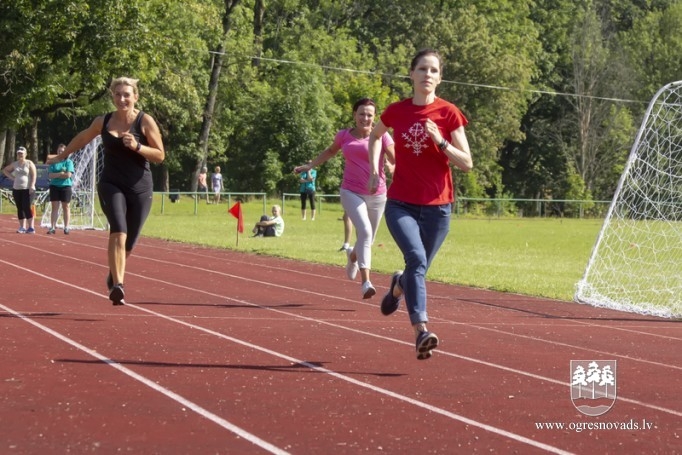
pixel 131 141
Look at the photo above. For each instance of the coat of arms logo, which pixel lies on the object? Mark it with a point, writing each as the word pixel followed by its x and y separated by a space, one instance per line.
pixel 593 386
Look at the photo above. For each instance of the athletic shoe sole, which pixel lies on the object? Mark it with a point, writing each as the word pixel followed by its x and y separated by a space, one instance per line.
pixel 351 267
pixel 426 342
pixel 390 304
pixel 369 292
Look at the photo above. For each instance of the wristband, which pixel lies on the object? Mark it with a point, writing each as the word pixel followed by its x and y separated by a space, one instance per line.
pixel 443 145
pixel 139 146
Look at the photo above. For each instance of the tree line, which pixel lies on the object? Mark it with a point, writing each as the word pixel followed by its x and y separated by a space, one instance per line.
pixel 554 89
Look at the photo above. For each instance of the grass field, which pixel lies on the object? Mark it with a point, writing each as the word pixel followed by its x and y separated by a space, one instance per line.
pixel 534 256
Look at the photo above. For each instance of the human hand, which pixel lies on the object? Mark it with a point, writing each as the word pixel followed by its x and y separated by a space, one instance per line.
pixel 433 131
pixel 373 183
pixel 129 141
pixel 302 168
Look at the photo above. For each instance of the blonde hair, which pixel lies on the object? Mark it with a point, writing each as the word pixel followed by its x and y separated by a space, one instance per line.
pixel 124 81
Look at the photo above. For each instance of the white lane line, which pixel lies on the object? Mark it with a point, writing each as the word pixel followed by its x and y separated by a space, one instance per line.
pixel 225 424
pixel 151 384
pixel 342 327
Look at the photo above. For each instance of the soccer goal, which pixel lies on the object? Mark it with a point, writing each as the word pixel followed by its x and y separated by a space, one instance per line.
pixel 87 164
pixel 636 262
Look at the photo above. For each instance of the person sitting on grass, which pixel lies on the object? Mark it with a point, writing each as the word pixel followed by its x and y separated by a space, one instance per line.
pixel 270 226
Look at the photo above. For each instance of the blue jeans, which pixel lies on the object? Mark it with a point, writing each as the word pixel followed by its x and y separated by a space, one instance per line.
pixel 419 231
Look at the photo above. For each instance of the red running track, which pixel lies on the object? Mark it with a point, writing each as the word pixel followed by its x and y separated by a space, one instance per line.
pixel 224 352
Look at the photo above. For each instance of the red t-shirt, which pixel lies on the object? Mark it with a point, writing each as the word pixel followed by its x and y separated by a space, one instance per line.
pixel 422 172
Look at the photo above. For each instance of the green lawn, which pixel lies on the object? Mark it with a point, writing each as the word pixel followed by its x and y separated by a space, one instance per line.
pixel 533 256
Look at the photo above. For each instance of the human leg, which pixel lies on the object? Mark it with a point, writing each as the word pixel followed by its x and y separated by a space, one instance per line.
pixel 116 256
pixel 54 216
pixel 402 223
pixel 31 216
pixel 54 208
pixel 304 199
pixel 419 231
pixel 66 214
pixel 365 213
pixel 138 207
pixel 259 230
pixel 347 231
pixel 22 201
pixel 66 208
pixel 311 198
pixel 113 203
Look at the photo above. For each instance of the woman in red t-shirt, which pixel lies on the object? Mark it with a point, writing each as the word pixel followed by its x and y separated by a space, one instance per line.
pixel 429 136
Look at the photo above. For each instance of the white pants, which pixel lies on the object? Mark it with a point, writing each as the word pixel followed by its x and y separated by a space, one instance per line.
pixel 365 211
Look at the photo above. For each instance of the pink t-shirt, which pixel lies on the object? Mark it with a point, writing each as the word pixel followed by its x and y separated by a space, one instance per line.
pixel 356 154
pixel 422 173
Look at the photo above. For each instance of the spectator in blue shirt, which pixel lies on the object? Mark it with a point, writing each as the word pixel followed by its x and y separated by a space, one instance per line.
pixel 60 190
pixel 307 190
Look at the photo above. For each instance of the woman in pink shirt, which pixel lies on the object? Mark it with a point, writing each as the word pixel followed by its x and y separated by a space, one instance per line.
pixel 365 209
pixel 429 137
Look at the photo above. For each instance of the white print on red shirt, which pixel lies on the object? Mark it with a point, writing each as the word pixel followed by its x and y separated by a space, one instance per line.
pixel 416 139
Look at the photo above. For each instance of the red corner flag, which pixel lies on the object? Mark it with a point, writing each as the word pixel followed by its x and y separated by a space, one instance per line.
pixel 236 211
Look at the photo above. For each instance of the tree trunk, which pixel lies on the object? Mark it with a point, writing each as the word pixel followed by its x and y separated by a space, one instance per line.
pixel 258 14
pixel 3 142
pixel 209 108
pixel 33 148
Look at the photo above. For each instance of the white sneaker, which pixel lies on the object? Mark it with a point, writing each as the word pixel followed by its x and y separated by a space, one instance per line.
pixel 368 290
pixel 351 266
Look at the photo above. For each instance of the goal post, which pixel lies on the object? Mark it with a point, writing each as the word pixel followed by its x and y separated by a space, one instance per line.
pixel 85 213
pixel 636 262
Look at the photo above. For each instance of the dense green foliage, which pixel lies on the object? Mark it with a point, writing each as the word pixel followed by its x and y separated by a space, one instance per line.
pixel 554 89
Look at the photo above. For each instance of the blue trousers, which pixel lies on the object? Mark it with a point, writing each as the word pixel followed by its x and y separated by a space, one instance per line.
pixel 419 232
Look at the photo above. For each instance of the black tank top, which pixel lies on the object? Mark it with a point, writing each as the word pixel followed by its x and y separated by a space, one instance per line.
pixel 123 167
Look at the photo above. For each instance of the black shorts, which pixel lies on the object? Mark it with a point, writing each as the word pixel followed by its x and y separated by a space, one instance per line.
pixel 60 193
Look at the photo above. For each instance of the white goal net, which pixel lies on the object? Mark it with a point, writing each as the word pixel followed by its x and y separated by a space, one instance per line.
pixel 636 263
pixel 85 213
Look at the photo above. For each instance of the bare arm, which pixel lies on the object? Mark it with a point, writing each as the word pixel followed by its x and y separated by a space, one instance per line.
pixel 32 176
pixel 59 175
pixel 79 141
pixel 320 159
pixel 457 149
pixel 374 154
pixel 7 170
pixel 154 152
pixel 389 159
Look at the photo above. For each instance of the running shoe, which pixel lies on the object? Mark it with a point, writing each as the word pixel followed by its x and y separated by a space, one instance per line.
pixel 50 231
pixel 116 294
pixel 390 304
pixel 351 266
pixel 426 342
pixel 21 231
pixel 30 231
pixel 368 290
pixel 66 231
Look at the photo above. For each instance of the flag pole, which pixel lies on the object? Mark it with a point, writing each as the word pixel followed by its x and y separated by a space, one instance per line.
pixel 236 211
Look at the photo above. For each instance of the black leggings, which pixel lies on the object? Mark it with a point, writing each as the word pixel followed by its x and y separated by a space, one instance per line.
pixel 126 210
pixel 23 200
pixel 308 196
pixel 266 231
